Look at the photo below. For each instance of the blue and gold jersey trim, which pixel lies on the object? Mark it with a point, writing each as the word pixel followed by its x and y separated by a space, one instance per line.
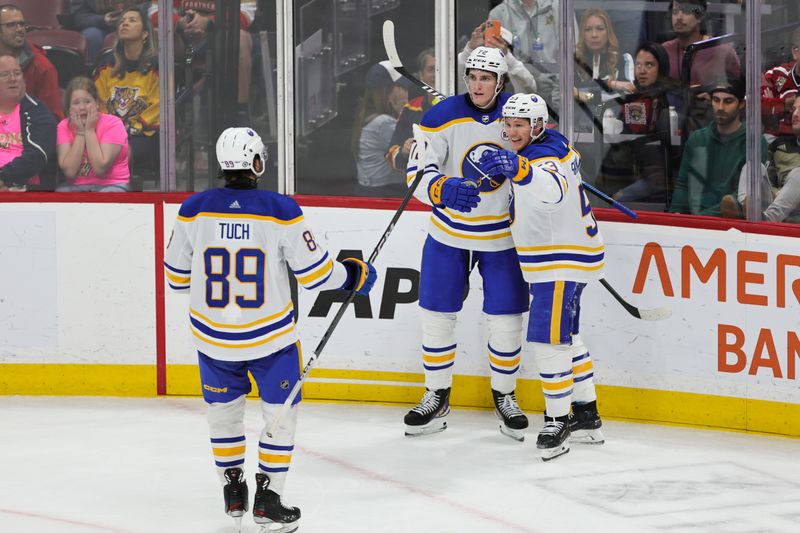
pixel 566 256
pixel 249 216
pixel 249 335
pixel 486 227
pixel 178 279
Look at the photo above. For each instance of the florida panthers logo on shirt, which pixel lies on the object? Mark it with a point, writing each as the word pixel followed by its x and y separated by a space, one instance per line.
pixel 469 167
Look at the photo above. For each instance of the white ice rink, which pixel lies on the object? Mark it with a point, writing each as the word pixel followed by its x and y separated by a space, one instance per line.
pixel 144 465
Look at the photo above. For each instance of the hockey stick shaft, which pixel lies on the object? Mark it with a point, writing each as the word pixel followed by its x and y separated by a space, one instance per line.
pixel 628 307
pixel 603 196
pixel 659 313
pixel 287 404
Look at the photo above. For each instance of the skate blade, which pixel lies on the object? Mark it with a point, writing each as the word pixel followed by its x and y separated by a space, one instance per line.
pixel 516 434
pixel 279 527
pixel 238 520
pixel 434 426
pixel 587 436
pixel 549 454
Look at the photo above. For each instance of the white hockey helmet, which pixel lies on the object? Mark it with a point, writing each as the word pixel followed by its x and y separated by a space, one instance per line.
pixel 530 106
pixel 237 149
pixel 489 59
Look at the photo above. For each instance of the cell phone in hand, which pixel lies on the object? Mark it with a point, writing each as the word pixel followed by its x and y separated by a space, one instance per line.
pixel 492 29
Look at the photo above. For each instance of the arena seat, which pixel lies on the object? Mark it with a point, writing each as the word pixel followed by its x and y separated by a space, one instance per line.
pixel 43 14
pixel 65 49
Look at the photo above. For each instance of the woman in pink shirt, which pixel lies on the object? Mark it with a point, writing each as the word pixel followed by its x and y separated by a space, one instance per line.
pixel 92 146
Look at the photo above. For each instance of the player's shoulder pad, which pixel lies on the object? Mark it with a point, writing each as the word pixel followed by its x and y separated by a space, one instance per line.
pixel 194 204
pixel 553 144
pixel 255 202
pixel 447 110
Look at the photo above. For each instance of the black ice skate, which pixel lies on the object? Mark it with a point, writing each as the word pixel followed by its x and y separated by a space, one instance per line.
pixel 554 438
pixel 236 495
pixel 430 414
pixel 585 423
pixel 269 512
pixel 512 420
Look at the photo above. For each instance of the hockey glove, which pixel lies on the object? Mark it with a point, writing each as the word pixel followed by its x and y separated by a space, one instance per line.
pixel 361 276
pixel 504 162
pixel 461 194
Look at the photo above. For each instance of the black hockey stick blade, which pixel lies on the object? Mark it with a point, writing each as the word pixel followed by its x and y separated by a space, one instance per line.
pixel 659 313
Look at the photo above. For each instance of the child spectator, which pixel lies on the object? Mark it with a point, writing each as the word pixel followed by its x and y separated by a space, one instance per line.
pixel 92 146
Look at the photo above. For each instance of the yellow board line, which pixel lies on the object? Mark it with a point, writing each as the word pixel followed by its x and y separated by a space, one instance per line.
pixel 643 405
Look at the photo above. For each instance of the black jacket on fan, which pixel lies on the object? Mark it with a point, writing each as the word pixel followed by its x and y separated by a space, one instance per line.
pixel 38 128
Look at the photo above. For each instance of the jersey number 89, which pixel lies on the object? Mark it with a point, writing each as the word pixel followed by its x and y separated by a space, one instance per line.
pixel 249 269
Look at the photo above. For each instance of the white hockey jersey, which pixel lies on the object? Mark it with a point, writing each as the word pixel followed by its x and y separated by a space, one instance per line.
pixel 230 249
pixel 458 134
pixel 554 229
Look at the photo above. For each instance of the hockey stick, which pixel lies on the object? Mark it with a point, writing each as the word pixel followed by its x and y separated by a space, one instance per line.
pixel 397 64
pixel 287 404
pixel 603 196
pixel 659 313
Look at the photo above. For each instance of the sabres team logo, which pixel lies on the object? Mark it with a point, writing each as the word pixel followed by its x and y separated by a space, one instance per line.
pixel 470 168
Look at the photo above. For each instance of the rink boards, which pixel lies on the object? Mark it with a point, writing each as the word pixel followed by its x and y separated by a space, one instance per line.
pixel 83 312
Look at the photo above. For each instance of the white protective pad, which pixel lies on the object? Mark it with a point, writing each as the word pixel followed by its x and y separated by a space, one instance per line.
pixel 505 335
pixel 438 331
pixel 226 419
pixel 282 436
pixel 555 359
pixel 583 391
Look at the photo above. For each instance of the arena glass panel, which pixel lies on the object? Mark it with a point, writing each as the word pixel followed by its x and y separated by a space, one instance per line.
pixel 344 117
pixel 225 76
pixel 779 186
pixel 639 97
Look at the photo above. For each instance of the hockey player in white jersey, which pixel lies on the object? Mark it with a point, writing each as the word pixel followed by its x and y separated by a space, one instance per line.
pixel 229 250
pixel 560 249
pixel 469 226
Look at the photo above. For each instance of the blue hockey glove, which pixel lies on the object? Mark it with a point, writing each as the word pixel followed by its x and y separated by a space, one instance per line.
pixel 461 194
pixel 361 276
pixel 503 162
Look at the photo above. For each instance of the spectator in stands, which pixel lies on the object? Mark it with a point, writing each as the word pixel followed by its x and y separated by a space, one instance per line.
pixel 536 26
pixel 519 76
pixel 128 85
pixel 709 65
pixel 41 77
pixel 375 121
pixel 27 130
pixel 784 156
pixel 92 146
pixel 97 18
pixel 194 27
pixel 402 138
pixel 779 87
pixel 714 155
pixel 644 112
pixel 598 58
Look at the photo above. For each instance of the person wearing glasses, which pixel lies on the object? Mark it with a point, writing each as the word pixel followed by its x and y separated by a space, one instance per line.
pixel 27 130
pixel 41 77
